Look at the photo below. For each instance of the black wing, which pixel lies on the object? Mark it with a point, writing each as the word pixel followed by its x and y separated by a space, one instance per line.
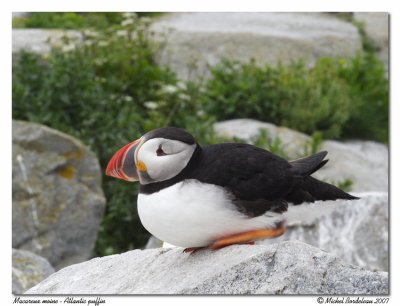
pixel 257 179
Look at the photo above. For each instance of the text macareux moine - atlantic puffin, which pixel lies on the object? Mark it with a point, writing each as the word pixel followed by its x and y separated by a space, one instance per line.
pixel 218 195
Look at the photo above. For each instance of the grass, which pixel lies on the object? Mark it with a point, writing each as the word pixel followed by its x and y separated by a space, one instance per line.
pixel 74 20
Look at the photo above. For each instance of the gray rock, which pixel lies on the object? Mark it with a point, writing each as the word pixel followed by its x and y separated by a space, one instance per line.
pixel 28 269
pixel 376 26
pixel 57 197
pixel 365 163
pixel 153 243
pixel 292 142
pixel 19 14
pixel 284 268
pixel 41 40
pixel 201 39
pixel 356 231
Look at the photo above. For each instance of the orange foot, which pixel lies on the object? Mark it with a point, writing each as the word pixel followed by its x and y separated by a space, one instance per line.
pixel 247 237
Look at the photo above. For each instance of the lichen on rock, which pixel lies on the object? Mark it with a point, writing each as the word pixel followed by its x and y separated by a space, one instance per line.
pixel 57 197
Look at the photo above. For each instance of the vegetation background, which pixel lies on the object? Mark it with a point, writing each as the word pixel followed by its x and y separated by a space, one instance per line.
pixel 108 90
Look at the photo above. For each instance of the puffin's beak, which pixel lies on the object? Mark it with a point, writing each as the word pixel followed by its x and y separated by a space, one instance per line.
pixel 122 164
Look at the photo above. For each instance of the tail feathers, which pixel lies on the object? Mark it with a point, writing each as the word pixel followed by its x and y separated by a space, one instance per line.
pixel 299 196
pixel 309 188
pixel 314 190
pixel 308 165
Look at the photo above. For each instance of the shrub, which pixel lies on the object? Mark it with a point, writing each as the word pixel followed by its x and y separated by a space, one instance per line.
pixel 337 97
pixel 67 20
pixel 73 20
pixel 366 76
pixel 106 91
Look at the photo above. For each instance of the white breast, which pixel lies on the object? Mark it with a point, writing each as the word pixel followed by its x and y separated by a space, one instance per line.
pixel 194 214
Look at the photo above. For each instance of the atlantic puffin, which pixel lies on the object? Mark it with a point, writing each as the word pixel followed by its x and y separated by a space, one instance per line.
pixel 217 195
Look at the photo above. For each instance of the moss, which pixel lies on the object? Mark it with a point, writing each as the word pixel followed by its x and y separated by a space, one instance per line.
pixel 67 172
pixel 51 214
pixel 20 261
pixel 76 155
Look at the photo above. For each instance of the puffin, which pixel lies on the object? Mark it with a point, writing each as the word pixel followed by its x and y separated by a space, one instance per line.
pixel 218 195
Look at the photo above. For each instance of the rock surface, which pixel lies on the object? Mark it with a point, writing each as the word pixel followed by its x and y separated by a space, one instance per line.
pixel 284 268
pixel 376 26
pixel 202 39
pixel 365 163
pixel 292 142
pixel 57 197
pixel 19 14
pixel 153 243
pixel 39 40
pixel 356 231
pixel 28 269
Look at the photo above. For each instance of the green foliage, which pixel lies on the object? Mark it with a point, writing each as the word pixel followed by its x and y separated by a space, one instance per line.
pixel 67 20
pixel 330 97
pixel 368 44
pixel 107 91
pixel 366 76
pixel 344 185
pixel 313 145
pixel 272 144
pixel 262 140
pixel 73 20
pixel 275 145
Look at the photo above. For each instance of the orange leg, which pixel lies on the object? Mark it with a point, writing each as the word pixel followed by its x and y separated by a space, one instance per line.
pixel 247 237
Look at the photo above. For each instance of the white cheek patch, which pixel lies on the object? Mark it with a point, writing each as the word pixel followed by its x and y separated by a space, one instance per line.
pixel 173 147
pixel 164 167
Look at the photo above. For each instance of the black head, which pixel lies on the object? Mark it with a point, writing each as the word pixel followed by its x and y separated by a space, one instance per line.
pixel 172 133
pixel 157 156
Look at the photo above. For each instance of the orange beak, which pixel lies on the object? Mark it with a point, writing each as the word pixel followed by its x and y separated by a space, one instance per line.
pixel 122 164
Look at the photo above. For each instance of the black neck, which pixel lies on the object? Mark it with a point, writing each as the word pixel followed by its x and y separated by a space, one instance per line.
pixel 184 174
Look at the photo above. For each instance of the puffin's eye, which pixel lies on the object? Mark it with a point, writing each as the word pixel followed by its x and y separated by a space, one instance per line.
pixel 160 151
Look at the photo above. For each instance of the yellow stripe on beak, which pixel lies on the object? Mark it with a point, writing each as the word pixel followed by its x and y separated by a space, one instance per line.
pixel 141 166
